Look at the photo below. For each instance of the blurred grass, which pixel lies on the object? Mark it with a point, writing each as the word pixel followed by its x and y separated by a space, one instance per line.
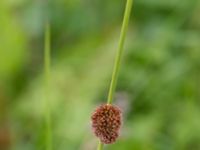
pixel 159 75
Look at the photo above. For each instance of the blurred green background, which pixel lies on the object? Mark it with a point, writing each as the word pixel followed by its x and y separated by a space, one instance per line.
pixel 159 81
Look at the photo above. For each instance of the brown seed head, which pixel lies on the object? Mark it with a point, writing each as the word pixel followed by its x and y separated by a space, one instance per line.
pixel 106 122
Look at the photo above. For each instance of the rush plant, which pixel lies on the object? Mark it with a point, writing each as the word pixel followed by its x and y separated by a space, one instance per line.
pixel 106 119
pixel 47 62
pixel 47 77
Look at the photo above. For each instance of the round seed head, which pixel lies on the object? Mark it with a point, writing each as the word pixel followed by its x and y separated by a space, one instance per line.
pixel 106 122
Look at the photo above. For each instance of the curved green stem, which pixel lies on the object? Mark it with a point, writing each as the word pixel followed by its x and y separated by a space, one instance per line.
pixel 120 51
pixel 100 146
pixel 47 60
pixel 118 57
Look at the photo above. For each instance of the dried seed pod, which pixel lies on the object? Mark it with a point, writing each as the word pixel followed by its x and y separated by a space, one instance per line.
pixel 106 122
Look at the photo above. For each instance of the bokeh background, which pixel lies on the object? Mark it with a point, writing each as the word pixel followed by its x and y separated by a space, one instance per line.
pixel 159 82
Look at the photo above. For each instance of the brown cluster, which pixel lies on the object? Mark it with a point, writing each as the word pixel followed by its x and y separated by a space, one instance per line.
pixel 106 122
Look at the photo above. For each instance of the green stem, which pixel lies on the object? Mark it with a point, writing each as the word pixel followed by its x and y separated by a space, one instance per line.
pixel 100 146
pixel 47 60
pixel 120 51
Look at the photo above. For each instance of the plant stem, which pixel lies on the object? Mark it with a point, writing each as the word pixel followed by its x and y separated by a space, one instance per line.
pixel 118 57
pixel 100 146
pixel 47 60
pixel 120 51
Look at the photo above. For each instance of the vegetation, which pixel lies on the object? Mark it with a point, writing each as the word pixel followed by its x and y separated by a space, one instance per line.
pixel 158 86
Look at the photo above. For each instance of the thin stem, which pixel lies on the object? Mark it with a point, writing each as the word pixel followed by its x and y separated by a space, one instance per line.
pixel 47 60
pixel 120 51
pixel 100 146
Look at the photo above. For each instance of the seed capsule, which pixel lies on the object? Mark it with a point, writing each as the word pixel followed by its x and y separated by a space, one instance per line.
pixel 106 123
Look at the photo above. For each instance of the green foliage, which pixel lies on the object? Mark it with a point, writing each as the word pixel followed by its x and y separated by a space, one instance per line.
pixel 158 88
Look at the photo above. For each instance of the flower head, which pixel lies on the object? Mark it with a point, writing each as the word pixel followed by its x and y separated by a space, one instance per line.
pixel 106 122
